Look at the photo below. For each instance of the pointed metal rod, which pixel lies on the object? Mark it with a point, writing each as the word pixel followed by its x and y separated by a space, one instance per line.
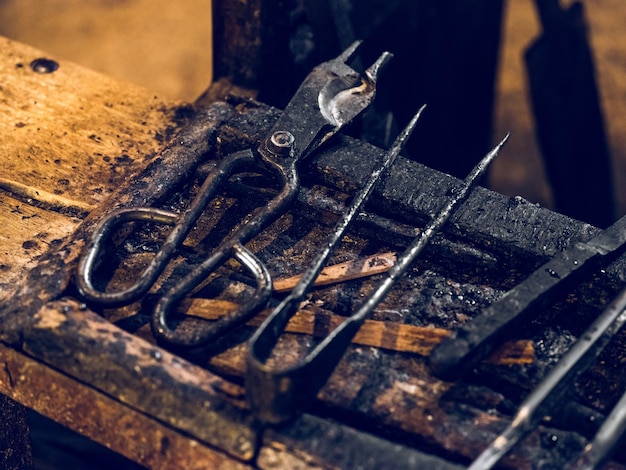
pixel 598 452
pixel 473 341
pixel 278 394
pixel 431 229
pixel 322 256
pixel 544 399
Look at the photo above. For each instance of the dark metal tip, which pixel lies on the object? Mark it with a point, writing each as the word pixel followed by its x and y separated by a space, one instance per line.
pixel 350 52
pixel 374 70
pixel 408 130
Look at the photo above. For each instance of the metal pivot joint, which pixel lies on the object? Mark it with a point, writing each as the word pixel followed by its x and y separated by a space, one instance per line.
pixel 281 144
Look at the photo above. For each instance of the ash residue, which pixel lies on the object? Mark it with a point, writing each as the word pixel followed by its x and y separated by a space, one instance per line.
pixel 550 345
pixel 436 300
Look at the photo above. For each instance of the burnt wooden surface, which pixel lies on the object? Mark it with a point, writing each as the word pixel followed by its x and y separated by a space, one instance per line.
pixel 379 399
pixel 96 415
pixel 61 156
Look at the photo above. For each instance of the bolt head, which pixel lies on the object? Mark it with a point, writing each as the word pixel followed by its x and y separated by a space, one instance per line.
pixel 281 143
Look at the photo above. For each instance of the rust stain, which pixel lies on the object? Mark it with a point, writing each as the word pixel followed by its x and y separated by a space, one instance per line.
pixel 49 319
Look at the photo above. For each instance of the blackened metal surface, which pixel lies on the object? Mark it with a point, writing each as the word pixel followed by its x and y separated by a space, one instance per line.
pixel 317 442
pixel 472 342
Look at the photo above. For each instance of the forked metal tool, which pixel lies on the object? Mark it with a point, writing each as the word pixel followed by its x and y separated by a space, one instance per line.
pixel 474 340
pixel 276 394
pixel 330 97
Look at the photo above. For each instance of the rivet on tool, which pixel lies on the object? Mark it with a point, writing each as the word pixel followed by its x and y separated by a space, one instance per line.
pixel 43 65
pixel 281 143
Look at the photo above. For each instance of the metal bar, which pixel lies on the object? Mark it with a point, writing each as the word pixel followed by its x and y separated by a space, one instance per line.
pixel 474 340
pixel 606 439
pixel 276 395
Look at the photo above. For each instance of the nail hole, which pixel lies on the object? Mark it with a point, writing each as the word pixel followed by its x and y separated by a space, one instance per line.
pixel 42 65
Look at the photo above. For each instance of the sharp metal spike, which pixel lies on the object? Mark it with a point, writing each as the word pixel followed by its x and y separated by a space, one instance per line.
pixel 350 52
pixel 374 70
pixel 597 453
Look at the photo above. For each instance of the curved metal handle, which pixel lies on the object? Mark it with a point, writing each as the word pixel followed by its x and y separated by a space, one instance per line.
pixel 101 235
pixel 182 226
pixel 232 246
pixel 162 330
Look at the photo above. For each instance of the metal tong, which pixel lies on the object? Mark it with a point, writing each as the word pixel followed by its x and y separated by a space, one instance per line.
pixel 330 97
pixel 278 394
pixel 473 341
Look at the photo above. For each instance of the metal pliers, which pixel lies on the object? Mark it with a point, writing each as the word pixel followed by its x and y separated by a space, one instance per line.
pixel 330 97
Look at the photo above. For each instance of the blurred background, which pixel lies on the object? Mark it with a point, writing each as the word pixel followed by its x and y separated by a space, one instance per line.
pixel 466 59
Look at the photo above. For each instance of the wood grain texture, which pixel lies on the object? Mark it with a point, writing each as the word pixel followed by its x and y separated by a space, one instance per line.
pixel 69 138
pixel 379 334
pixel 93 414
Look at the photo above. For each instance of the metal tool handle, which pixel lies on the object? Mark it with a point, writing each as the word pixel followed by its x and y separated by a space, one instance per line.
pixel 231 247
pixel 331 96
pixel 284 162
pixel 200 336
pixel 182 226
pixel 92 255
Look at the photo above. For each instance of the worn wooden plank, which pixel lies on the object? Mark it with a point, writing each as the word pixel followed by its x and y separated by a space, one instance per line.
pixel 27 232
pixel 69 138
pixel 121 428
pixel 156 382
pixel 379 334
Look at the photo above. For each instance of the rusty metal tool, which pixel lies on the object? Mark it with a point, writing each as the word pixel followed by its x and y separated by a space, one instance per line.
pixel 278 394
pixel 477 338
pixel 330 97
pixel 546 396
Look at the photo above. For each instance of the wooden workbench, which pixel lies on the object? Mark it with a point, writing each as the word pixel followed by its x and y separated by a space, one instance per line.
pixel 71 139
pixel 77 144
